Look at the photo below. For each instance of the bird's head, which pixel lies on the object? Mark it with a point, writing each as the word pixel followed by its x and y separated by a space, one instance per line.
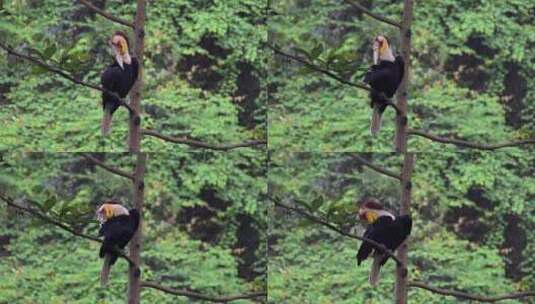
pixel 119 44
pixel 381 49
pixel 370 210
pixel 110 209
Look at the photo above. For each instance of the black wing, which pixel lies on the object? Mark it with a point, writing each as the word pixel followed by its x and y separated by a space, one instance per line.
pixel 117 232
pixel 375 73
pixel 378 232
pixel 110 81
pixel 108 78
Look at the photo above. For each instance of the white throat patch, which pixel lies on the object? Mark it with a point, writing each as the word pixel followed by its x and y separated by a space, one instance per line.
pixel 385 213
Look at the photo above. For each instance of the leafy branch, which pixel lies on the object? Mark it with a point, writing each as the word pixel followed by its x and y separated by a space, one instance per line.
pixel 107 167
pixel 201 144
pixel 376 168
pixel 10 202
pixel 333 227
pixel 319 69
pixel 199 296
pixel 362 9
pixel 105 14
pixel 463 143
pixel 329 73
pixel 65 75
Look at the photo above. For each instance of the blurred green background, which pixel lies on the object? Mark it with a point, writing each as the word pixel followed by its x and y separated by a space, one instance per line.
pixel 205 226
pixel 202 78
pixel 472 73
pixel 473 226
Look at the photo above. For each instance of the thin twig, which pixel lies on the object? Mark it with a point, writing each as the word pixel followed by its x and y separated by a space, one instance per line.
pixel 463 143
pixel 107 167
pixel 62 73
pixel 10 202
pixel 362 9
pixel 467 296
pixel 331 226
pixel 376 167
pixel 332 75
pixel 200 144
pixel 319 69
pixel 106 14
pixel 196 295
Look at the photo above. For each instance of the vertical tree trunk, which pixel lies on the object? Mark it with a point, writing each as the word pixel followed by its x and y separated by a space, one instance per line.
pixel 403 90
pixel 405 202
pixel 134 126
pixel 401 147
pixel 134 275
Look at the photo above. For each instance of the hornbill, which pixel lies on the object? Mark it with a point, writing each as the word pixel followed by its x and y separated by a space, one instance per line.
pixel 117 225
pixel 384 77
pixel 118 78
pixel 384 228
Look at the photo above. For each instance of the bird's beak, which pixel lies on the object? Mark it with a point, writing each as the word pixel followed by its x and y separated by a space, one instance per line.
pixel 362 215
pixel 109 212
pixel 117 49
pixel 375 52
pixel 119 59
pixel 123 47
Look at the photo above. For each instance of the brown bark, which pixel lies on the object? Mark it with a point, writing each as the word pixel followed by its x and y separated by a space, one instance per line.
pixel 401 147
pixel 403 90
pixel 134 273
pixel 405 202
pixel 134 126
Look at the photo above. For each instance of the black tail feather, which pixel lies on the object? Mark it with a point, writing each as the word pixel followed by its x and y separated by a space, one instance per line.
pixel 378 102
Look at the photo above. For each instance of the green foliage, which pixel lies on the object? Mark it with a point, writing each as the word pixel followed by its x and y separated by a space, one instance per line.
pixel 460 240
pixel 194 207
pixel 463 56
pixel 195 58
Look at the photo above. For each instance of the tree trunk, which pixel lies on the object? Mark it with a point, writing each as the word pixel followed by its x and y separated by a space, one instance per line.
pixel 401 147
pixel 403 90
pixel 134 274
pixel 134 126
pixel 405 202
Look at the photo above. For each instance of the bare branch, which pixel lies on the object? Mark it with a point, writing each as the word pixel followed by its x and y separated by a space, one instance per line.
pixel 463 143
pixel 331 226
pixel 45 218
pixel 363 10
pixel 467 296
pixel 319 69
pixel 62 73
pixel 105 14
pixel 200 144
pixel 107 167
pixel 375 167
pixel 199 296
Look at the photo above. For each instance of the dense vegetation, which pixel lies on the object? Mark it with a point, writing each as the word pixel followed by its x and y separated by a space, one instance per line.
pixel 203 64
pixel 208 75
pixel 205 226
pixel 472 67
pixel 473 226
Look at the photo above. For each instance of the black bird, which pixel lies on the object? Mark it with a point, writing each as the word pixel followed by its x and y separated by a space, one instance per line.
pixel 118 226
pixel 384 77
pixel 384 228
pixel 118 78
